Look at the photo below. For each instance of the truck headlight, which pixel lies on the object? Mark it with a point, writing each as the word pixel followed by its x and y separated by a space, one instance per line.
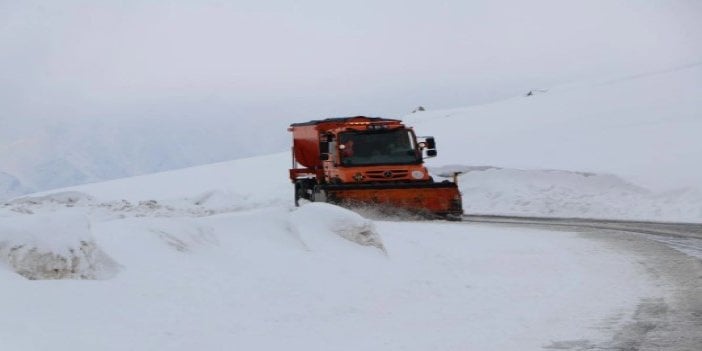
pixel 417 174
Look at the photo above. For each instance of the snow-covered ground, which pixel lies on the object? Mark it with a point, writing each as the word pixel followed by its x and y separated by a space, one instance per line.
pixel 644 129
pixel 207 258
pixel 555 193
pixel 625 148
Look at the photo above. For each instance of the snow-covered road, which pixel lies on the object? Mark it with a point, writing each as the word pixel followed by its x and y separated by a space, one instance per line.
pixel 672 256
pixel 691 231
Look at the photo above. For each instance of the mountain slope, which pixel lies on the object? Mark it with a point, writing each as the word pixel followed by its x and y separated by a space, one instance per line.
pixel 68 152
pixel 644 129
pixel 10 186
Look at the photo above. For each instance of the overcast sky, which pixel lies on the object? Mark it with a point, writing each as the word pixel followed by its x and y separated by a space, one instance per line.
pixel 297 60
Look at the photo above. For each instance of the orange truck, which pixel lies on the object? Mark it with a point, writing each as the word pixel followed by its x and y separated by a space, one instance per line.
pixel 369 161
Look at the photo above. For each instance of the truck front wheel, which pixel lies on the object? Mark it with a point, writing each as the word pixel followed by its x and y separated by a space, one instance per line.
pixel 303 188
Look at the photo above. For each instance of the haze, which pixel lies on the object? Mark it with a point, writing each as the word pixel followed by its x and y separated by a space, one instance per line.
pixel 292 60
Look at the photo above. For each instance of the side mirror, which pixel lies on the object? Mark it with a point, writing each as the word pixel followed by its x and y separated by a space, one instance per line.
pixel 431 143
pixel 431 153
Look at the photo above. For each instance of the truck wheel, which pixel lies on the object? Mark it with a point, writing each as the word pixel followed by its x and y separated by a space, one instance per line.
pixel 302 188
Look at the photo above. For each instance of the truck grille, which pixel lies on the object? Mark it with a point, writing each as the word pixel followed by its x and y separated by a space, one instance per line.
pixel 387 174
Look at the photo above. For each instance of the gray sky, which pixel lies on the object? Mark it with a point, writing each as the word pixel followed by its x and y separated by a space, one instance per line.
pixel 296 60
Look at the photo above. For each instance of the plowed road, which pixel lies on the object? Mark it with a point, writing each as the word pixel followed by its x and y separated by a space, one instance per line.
pixel 680 230
pixel 671 254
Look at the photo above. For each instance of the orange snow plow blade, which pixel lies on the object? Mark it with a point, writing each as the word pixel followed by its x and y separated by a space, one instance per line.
pixel 442 200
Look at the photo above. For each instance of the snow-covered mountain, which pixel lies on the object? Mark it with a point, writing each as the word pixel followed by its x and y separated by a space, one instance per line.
pixel 643 128
pixel 10 186
pixel 77 151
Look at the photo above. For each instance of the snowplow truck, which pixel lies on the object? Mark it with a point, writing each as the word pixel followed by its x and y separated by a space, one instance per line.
pixel 369 161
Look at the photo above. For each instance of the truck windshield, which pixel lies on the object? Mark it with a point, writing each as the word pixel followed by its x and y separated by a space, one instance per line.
pixel 371 148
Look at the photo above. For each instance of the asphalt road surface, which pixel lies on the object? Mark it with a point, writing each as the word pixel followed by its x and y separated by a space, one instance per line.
pixel 671 254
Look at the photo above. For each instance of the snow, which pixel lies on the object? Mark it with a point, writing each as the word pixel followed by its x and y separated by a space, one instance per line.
pixel 55 233
pixel 70 151
pixel 216 257
pixel 248 280
pixel 314 221
pixel 556 193
pixel 643 129
pixel 220 184
pixel 53 246
pixel 10 186
pixel 208 258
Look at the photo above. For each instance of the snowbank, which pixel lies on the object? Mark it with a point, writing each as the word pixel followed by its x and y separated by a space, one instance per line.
pixel 557 193
pixel 58 199
pixel 315 221
pixel 58 246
